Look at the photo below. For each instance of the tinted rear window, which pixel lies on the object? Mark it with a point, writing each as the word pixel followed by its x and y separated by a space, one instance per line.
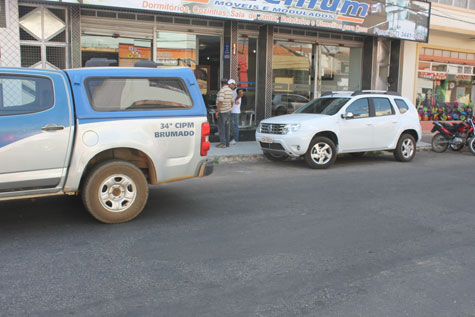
pixel 382 107
pixel 402 105
pixel 137 94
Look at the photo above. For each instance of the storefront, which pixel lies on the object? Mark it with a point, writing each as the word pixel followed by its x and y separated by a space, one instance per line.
pixel 440 74
pixel 445 84
pixel 283 53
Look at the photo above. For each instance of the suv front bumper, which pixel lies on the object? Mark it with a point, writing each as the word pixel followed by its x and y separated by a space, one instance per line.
pixel 291 144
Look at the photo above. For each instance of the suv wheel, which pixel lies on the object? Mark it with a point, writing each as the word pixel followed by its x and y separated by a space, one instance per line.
pixel 321 153
pixel 406 148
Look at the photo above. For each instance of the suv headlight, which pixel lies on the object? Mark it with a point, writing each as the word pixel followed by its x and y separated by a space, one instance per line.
pixel 290 128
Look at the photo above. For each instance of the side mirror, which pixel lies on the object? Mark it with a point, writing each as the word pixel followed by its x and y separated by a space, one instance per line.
pixel 348 115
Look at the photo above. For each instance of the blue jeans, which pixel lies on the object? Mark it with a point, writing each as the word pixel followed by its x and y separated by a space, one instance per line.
pixel 235 124
pixel 224 127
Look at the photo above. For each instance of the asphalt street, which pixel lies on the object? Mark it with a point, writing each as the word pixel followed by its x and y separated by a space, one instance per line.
pixel 367 237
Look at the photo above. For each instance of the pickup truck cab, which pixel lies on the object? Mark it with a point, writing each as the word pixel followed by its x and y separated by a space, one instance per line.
pixel 103 133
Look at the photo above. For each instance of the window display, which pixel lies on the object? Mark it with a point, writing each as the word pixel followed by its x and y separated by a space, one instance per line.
pixel 445 85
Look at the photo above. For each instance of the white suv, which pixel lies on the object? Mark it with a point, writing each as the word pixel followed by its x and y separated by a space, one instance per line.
pixel 343 122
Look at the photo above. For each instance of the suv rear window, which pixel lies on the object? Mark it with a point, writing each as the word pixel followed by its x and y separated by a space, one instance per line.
pixel 402 105
pixel 382 107
pixel 137 94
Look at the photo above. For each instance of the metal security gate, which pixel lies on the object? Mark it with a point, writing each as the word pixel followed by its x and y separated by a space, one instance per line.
pixel 44 38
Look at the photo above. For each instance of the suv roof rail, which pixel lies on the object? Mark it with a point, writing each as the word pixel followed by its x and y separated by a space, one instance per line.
pixel 100 62
pixel 330 93
pixel 384 92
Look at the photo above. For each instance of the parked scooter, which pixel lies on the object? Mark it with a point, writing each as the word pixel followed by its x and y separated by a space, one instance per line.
pixel 454 135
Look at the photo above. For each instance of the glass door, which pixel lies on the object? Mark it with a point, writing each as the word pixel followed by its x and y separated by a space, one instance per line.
pixel 199 52
pixel 340 68
pixel 247 78
pixel 293 72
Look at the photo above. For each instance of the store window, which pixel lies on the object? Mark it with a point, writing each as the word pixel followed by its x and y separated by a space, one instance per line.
pixel 125 51
pixel 445 85
pixel 247 78
pixel 340 68
pixel 201 53
pixel 292 72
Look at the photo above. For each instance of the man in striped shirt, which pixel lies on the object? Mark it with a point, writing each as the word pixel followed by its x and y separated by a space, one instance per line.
pixel 223 112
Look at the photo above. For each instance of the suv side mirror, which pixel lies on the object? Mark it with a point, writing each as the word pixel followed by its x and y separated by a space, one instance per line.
pixel 348 115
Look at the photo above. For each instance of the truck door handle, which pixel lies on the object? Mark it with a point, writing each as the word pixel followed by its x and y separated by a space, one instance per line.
pixel 52 127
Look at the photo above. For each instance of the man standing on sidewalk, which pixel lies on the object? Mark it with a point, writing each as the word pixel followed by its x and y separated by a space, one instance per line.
pixel 223 113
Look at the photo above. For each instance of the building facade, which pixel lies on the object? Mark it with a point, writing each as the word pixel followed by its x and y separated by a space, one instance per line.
pixel 440 75
pixel 282 52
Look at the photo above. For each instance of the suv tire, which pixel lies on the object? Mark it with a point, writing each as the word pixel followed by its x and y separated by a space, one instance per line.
pixel 321 153
pixel 406 148
pixel 275 157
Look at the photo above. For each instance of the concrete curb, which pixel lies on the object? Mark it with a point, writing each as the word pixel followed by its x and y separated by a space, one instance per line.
pixel 260 157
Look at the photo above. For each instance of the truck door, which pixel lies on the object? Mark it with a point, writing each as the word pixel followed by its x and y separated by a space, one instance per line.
pixel 35 130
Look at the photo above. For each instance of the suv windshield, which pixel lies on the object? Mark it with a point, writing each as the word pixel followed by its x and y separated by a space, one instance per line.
pixel 328 106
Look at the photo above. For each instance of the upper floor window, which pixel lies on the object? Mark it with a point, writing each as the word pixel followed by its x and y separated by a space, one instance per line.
pixel 467 4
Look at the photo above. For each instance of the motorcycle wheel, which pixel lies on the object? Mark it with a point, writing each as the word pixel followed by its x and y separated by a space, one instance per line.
pixel 439 143
pixel 456 147
pixel 471 145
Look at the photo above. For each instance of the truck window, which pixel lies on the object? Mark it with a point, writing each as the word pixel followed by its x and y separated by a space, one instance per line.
pixel 25 94
pixel 137 94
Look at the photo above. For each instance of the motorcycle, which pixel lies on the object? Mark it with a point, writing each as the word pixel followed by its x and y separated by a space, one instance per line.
pixel 455 135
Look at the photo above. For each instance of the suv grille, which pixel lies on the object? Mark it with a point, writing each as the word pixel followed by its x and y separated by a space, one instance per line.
pixel 272 128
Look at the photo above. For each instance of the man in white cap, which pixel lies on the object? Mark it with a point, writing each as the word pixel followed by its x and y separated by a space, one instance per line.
pixel 225 99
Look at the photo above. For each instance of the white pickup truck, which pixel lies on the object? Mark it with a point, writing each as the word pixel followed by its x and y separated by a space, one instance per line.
pixel 104 133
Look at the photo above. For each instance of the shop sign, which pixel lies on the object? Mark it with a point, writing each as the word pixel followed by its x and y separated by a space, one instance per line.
pixel 433 75
pixel 402 19
pixel 3 14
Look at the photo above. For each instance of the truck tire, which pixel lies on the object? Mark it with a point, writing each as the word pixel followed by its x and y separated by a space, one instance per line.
pixel 115 191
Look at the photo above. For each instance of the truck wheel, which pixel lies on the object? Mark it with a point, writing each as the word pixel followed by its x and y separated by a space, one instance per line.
pixel 321 153
pixel 115 191
pixel 406 148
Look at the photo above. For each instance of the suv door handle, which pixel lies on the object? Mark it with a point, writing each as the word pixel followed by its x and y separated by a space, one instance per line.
pixel 52 127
